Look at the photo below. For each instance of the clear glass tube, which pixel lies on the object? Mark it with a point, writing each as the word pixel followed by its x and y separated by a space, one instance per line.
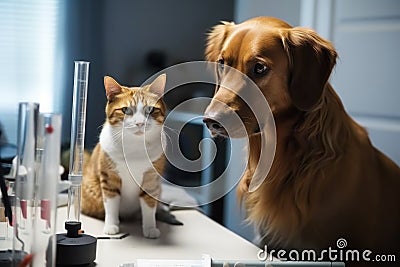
pixel 81 77
pixel 25 178
pixel 28 115
pixel 47 178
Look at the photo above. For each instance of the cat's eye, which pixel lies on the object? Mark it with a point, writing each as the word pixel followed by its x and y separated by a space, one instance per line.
pixel 149 109
pixel 127 111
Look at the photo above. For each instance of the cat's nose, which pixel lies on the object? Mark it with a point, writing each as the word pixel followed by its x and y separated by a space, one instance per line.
pixel 139 124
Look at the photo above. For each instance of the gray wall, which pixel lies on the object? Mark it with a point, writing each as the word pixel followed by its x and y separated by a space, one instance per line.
pixel 288 10
pixel 130 29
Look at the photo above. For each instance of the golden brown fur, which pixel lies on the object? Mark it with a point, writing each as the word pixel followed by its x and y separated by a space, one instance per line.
pixel 96 180
pixel 327 181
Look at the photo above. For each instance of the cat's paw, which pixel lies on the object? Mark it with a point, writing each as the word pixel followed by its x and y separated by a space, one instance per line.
pixel 151 232
pixel 111 229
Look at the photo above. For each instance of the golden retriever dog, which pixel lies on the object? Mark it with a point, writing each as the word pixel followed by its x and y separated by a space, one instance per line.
pixel 327 181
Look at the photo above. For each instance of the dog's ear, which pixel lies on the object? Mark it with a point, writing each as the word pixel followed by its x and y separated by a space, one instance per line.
pixel 311 60
pixel 215 40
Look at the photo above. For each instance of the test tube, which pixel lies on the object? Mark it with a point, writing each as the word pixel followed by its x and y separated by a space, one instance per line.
pixel 81 76
pixel 26 166
pixel 47 178
pixel 28 115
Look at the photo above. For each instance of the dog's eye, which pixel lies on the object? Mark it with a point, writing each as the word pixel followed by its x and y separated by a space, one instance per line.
pixel 221 64
pixel 260 68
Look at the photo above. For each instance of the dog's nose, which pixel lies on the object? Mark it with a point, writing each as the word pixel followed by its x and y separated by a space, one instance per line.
pixel 214 126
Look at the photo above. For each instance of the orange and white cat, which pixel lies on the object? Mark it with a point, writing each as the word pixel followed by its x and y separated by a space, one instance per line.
pixel 123 173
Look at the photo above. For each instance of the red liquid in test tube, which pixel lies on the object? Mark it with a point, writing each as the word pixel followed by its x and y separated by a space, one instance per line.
pixel 45 211
pixel 24 208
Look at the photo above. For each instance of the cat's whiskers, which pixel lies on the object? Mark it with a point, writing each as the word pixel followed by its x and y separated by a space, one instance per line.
pixel 167 135
pixel 132 125
pixel 171 129
pixel 116 136
pixel 129 126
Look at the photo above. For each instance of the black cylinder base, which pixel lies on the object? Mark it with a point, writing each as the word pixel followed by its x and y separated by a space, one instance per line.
pixel 76 251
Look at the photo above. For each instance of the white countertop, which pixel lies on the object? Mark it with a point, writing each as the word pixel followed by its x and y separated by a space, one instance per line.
pixel 199 235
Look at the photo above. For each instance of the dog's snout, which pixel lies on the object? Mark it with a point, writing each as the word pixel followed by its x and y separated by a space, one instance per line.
pixel 214 126
pixel 212 123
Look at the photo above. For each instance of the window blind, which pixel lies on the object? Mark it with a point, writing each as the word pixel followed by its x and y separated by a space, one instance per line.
pixel 29 42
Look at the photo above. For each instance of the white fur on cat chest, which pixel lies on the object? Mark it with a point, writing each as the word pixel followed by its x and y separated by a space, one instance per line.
pixel 132 157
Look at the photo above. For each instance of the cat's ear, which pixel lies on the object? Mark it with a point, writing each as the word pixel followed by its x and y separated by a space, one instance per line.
pixel 158 85
pixel 112 88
